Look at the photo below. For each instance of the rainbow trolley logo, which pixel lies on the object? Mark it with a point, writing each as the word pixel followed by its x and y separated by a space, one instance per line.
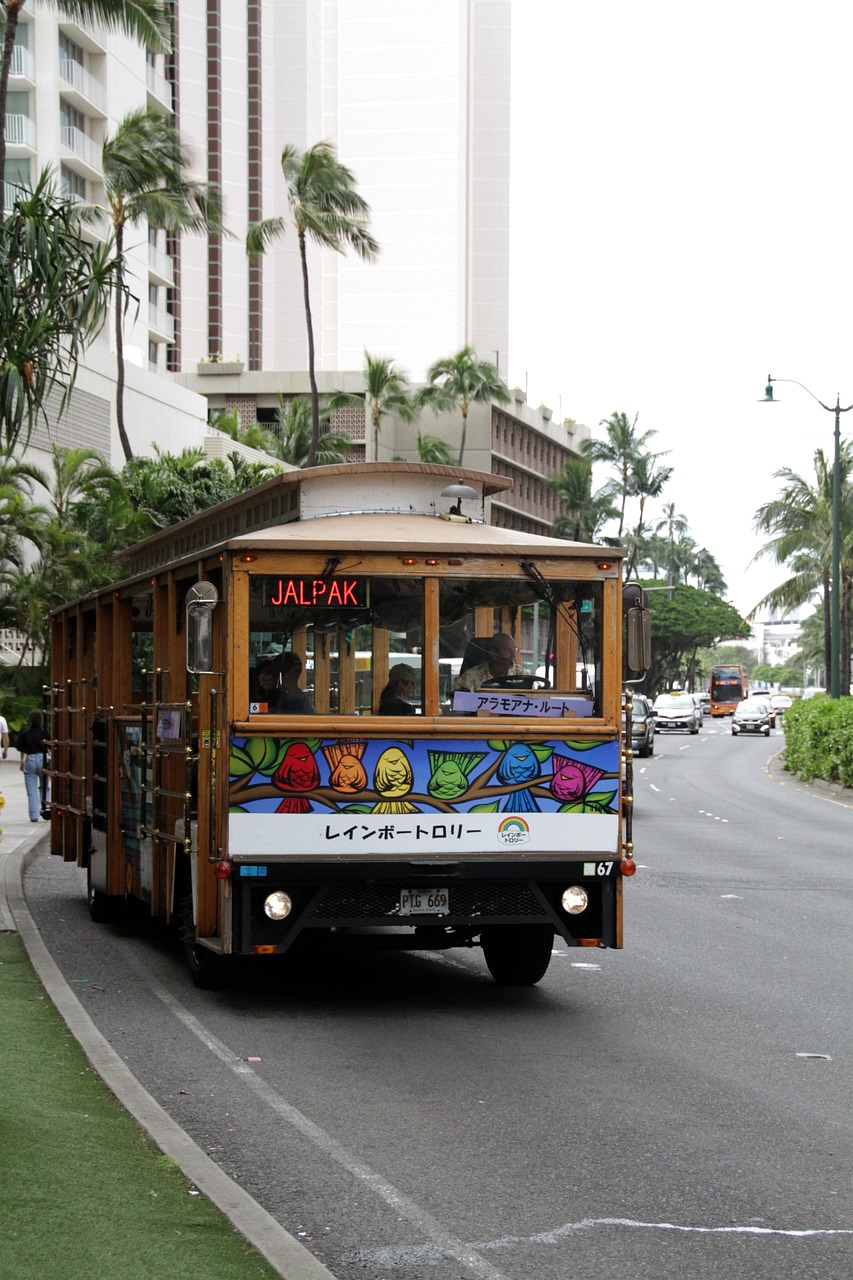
pixel 513 831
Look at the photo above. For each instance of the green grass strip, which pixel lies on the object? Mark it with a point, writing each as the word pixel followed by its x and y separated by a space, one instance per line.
pixel 84 1191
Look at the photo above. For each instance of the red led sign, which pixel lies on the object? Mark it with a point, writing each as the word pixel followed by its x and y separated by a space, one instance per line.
pixel 328 593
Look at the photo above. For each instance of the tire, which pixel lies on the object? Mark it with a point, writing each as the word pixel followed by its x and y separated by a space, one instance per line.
pixel 651 750
pixel 766 731
pixel 695 729
pixel 645 752
pixel 103 908
pixel 207 969
pixel 517 955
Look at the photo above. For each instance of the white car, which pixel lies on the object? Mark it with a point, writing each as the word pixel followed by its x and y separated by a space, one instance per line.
pixel 780 702
pixel 676 711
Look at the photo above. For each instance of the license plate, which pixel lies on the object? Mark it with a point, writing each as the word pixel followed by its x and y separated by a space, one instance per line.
pixel 424 902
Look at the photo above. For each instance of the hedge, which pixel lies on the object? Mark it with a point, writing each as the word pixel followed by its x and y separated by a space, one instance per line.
pixel 819 739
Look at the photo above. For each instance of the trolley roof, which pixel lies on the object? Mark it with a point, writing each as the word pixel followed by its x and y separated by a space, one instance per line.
pixel 346 507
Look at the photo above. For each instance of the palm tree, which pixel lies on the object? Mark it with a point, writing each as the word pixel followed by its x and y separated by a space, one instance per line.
pixel 145 177
pixel 460 381
pixel 148 21
pixel 800 520
pixel 622 448
pixel 386 390
pixel 324 207
pixel 55 288
pixel 292 439
pixel 434 449
pixel 647 481
pixel 676 526
pixel 585 511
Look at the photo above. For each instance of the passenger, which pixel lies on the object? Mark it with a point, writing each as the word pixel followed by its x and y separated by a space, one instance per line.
pixel 265 682
pixel 498 664
pixel 276 683
pixel 401 685
pixel 291 699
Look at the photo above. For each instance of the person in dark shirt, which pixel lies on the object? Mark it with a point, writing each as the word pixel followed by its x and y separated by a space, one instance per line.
pixel 292 700
pixel 393 700
pixel 32 744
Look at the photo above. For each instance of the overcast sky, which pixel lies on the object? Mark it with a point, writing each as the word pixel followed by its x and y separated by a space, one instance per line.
pixel 683 226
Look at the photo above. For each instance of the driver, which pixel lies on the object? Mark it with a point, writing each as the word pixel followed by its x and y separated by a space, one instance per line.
pixel 500 664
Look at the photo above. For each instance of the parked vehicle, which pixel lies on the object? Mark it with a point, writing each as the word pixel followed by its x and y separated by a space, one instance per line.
pixel 642 724
pixel 676 711
pixel 751 716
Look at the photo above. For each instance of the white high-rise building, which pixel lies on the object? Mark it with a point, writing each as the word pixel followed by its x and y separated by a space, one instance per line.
pixel 415 98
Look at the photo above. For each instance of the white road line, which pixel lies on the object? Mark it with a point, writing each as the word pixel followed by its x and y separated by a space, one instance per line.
pixel 442 1243
pixel 396 1256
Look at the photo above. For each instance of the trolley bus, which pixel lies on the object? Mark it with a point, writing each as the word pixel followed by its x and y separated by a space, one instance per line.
pixel 263 817
pixel 728 686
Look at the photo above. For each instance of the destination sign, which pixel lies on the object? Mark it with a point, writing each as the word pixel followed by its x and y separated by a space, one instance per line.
pixel 311 593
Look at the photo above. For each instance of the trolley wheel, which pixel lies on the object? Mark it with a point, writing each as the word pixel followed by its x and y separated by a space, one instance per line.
pixel 207 969
pixel 517 955
pixel 103 907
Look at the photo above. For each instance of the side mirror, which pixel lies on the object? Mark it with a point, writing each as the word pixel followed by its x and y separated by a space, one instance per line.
pixel 639 638
pixel 202 599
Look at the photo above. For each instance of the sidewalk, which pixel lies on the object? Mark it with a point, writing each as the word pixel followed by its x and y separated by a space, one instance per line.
pixel 20 840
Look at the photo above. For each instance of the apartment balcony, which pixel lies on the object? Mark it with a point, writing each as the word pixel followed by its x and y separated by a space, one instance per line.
pixel 160 267
pixel 23 66
pixel 82 90
pixel 82 153
pixel 20 134
pixel 161 326
pixel 89 35
pixel 159 89
pixel 11 192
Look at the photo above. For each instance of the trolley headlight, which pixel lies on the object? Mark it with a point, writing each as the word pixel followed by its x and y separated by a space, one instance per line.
pixel 278 905
pixel 575 899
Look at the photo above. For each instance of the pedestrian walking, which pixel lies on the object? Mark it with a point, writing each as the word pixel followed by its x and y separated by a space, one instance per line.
pixel 32 745
pixel 4 738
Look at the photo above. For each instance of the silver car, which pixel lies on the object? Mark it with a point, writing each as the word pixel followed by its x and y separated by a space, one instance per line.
pixel 751 716
pixel 676 711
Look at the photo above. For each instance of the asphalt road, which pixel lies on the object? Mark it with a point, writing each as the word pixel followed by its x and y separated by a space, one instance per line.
pixel 678 1109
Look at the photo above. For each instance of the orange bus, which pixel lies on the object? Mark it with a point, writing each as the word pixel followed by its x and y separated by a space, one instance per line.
pixel 728 687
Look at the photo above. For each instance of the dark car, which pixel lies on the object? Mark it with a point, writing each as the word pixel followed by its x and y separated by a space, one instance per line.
pixel 751 716
pixel 642 724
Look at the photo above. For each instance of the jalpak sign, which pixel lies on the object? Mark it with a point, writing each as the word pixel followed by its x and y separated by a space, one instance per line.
pixel 328 593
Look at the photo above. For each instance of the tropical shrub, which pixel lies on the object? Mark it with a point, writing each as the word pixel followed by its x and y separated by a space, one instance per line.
pixel 819 739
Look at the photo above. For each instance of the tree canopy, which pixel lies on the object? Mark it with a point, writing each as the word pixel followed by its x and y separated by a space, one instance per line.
pixel 692 620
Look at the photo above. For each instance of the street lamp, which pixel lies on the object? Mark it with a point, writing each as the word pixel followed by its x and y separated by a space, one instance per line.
pixel 835 614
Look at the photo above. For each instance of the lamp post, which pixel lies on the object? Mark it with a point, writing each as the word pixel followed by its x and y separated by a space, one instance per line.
pixel 835 613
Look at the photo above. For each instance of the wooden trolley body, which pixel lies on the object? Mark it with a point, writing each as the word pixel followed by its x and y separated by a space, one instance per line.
pixel 473 822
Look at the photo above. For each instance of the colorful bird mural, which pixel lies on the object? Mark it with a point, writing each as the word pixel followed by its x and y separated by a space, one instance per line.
pixel 450 772
pixel 573 779
pixel 346 772
pixel 519 764
pixel 297 772
pixel 393 778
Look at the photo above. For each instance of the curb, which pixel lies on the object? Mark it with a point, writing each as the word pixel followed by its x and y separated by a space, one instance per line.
pixel 282 1251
